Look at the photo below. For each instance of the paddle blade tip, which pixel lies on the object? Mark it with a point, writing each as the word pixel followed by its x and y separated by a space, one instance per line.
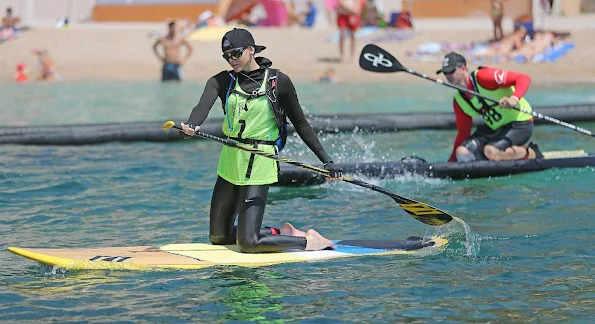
pixel 375 59
pixel 435 220
pixel 425 213
pixel 168 124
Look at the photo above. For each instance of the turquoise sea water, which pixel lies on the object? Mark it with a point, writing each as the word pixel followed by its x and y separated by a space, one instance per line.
pixel 102 102
pixel 527 257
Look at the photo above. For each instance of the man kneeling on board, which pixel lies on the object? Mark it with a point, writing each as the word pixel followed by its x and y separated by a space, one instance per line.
pixel 506 130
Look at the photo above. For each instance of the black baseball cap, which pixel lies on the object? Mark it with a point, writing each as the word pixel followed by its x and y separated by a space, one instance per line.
pixel 239 37
pixel 451 62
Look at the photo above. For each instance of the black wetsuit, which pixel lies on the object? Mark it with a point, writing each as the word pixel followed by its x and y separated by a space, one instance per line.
pixel 247 203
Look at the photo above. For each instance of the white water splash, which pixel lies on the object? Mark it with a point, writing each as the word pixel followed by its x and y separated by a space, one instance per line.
pixel 471 240
pixel 451 230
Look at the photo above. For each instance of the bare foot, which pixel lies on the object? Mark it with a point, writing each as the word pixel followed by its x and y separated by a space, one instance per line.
pixel 289 230
pixel 316 242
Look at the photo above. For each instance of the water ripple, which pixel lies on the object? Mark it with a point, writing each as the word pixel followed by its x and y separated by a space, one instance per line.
pixel 526 257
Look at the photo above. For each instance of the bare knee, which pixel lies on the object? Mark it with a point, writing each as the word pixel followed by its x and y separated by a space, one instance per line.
pixel 464 155
pixel 492 153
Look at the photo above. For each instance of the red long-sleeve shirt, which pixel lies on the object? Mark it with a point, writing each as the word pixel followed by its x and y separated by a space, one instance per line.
pixel 491 79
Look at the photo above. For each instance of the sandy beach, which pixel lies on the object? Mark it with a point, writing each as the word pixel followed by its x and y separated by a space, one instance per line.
pixel 124 53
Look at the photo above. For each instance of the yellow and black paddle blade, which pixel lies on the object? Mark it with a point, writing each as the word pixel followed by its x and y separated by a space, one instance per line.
pixel 168 124
pixel 422 212
pixel 425 213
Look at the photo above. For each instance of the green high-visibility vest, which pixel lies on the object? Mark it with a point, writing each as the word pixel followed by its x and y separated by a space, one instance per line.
pixel 493 115
pixel 249 116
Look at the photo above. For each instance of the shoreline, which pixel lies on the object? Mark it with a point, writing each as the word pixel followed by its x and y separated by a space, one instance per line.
pixel 411 81
pixel 125 54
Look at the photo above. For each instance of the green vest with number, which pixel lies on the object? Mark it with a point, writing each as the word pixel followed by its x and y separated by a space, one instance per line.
pixel 249 116
pixel 493 115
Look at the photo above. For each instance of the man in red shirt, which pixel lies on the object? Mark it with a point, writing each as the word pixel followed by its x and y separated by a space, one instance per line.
pixel 506 130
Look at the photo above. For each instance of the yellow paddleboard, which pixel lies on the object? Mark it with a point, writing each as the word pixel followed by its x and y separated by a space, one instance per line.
pixel 199 255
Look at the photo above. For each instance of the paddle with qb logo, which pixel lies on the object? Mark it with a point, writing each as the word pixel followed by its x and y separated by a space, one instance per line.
pixel 422 212
pixel 375 59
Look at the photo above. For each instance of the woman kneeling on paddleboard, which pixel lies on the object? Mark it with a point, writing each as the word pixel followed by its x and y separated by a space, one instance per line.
pixel 256 100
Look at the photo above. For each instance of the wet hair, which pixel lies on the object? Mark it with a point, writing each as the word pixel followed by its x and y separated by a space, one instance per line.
pixel 171 24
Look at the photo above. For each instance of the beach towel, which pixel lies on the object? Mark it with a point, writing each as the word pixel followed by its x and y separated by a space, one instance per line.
pixel 392 35
pixel 377 34
pixel 549 55
pixel 435 51
pixel 213 33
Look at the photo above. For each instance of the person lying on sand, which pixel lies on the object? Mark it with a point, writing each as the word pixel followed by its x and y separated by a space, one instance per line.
pixel 541 42
pixel 512 42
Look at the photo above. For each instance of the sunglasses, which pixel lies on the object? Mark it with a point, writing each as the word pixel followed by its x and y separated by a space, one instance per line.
pixel 234 54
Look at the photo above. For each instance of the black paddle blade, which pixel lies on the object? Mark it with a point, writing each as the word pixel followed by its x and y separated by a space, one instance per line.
pixel 375 59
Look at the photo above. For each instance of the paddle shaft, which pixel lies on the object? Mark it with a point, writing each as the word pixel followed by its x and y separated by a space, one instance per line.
pixel 420 211
pixel 475 93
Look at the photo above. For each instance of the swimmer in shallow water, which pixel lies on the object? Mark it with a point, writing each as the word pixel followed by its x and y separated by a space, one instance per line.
pixel 328 76
pixel 47 68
